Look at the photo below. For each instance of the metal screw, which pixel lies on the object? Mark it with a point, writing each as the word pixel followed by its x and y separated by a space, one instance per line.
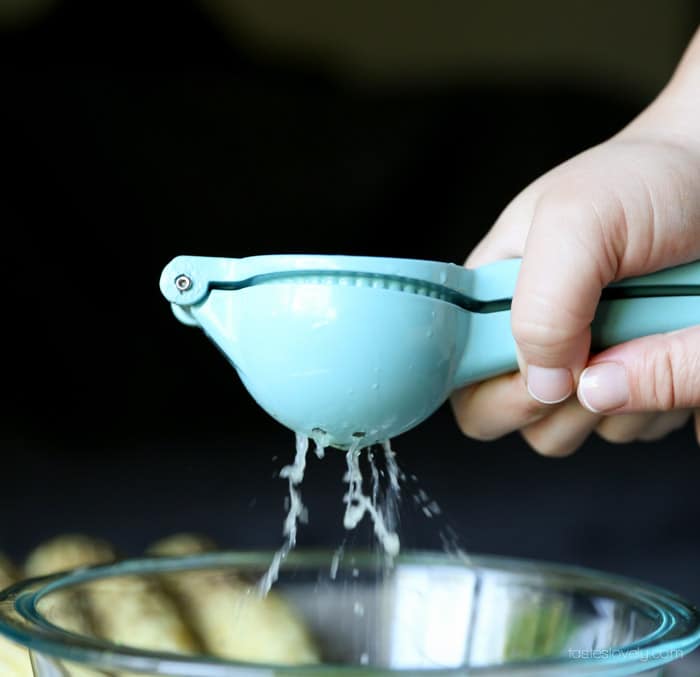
pixel 183 283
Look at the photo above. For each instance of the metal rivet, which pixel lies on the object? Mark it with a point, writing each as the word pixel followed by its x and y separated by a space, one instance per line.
pixel 183 283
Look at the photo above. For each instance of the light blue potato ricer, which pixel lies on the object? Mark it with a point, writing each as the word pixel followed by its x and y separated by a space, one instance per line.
pixel 346 347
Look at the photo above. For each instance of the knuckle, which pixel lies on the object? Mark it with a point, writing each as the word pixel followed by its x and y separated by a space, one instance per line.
pixel 586 218
pixel 548 446
pixel 664 381
pixel 616 435
pixel 540 330
pixel 481 435
pixel 589 210
pixel 470 425
pixel 561 204
pixel 530 410
pixel 545 318
pixel 664 424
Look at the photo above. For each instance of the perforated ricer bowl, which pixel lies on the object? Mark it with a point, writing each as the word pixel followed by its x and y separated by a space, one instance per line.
pixel 430 614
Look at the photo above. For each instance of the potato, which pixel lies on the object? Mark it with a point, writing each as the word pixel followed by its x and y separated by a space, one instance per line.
pixel 235 622
pixel 228 615
pixel 69 609
pixel 188 612
pixel 138 612
pixel 14 659
pixel 66 552
pixel 8 572
pixel 179 545
pixel 129 610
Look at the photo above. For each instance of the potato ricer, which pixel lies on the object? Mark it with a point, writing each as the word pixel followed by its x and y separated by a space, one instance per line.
pixel 361 349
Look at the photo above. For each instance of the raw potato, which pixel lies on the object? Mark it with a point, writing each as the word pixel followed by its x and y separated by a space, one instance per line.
pixel 14 659
pixel 137 612
pixel 239 624
pixel 187 612
pixel 231 619
pixel 129 610
pixel 8 572
pixel 70 551
pixel 125 610
pixel 179 545
pixel 69 609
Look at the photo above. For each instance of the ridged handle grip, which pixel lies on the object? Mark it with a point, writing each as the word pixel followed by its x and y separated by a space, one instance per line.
pixel 664 301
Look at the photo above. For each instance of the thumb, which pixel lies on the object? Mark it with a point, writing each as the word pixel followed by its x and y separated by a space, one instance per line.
pixel 566 263
pixel 654 373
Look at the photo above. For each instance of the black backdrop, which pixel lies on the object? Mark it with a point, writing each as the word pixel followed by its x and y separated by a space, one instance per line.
pixel 127 142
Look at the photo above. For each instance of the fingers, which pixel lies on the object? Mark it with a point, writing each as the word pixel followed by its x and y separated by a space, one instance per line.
pixel 496 407
pixel 563 431
pixel 654 373
pixel 665 424
pixel 624 428
pixel 645 427
pixel 554 431
pixel 551 430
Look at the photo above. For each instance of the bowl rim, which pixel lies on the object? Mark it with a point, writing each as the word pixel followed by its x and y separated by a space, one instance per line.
pixel 22 623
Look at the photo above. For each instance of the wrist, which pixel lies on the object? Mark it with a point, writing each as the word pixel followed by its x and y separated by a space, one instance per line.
pixel 673 117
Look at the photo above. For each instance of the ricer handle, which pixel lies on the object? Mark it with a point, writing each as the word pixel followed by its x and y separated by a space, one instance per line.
pixel 639 306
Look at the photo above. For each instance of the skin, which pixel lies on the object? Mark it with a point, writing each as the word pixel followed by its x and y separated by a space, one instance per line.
pixel 629 206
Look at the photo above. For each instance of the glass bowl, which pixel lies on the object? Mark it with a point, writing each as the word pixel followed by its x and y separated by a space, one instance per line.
pixel 428 614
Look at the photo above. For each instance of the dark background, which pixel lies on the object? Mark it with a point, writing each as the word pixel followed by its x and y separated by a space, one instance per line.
pixel 134 131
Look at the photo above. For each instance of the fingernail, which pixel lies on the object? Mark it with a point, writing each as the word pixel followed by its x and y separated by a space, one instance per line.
pixel 603 387
pixel 549 385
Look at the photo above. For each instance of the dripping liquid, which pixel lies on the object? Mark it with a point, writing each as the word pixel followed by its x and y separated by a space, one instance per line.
pixel 378 495
pixel 380 505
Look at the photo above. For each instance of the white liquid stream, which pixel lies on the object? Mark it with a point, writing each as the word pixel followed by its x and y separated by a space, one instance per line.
pixel 356 503
pixel 294 473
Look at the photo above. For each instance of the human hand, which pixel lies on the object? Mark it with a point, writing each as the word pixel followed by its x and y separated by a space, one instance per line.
pixel 627 207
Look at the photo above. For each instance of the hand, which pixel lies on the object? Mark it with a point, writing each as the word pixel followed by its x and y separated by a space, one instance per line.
pixel 627 207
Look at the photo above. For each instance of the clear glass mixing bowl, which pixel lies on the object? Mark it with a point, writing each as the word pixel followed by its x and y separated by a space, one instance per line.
pixel 429 614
